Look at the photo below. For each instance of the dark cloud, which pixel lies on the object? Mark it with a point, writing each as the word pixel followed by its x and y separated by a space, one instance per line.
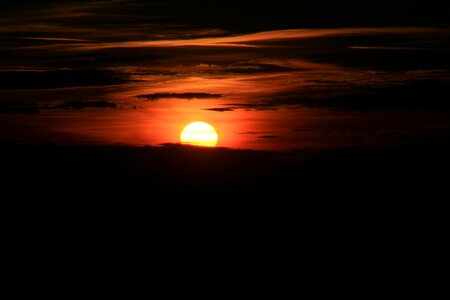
pixel 251 68
pixel 21 80
pixel 220 109
pixel 304 129
pixel 8 108
pixel 268 136
pixel 415 95
pixel 18 109
pixel 255 105
pixel 264 134
pixel 247 67
pixel 188 96
pixel 83 104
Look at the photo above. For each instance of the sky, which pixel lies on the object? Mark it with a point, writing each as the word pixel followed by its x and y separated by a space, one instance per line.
pixel 277 76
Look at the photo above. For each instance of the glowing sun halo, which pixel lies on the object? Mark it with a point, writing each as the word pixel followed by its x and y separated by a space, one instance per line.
pixel 199 134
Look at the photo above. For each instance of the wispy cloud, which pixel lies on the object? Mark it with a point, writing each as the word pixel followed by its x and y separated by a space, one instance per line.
pixel 392 48
pixel 253 40
pixel 55 39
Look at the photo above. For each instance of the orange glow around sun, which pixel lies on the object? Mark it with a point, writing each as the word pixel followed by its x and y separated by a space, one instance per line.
pixel 199 134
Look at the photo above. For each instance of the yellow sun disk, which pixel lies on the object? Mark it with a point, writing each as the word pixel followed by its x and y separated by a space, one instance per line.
pixel 199 134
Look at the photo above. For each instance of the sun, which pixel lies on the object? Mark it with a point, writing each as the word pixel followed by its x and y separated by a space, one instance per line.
pixel 199 134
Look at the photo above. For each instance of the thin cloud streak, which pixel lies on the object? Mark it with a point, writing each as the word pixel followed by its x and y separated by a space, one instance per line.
pixel 249 40
pixel 54 39
pixel 397 48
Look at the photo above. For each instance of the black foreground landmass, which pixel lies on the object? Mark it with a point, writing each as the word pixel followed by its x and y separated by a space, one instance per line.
pixel 370 206
pixel 150 172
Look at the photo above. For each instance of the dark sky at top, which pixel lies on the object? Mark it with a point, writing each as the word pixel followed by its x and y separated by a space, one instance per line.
pixel 257 15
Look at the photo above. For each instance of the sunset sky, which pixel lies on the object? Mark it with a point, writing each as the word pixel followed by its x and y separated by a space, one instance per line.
pixel 279 76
